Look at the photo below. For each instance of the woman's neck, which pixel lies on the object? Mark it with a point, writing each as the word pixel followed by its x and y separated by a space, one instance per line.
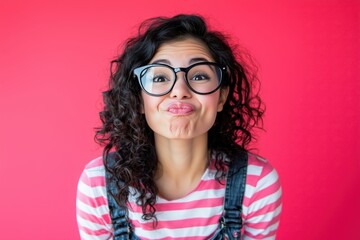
pixel 182 162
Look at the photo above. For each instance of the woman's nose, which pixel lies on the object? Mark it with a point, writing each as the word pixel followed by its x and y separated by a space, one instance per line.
pixel 180 89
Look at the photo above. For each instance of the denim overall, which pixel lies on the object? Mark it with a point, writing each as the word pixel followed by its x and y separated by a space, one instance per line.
pixel 230 222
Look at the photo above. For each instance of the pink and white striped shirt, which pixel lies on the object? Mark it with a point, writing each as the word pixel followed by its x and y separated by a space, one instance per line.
pixel 194 216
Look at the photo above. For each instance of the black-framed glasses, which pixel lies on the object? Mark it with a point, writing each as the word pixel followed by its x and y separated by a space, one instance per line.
pixel 159 79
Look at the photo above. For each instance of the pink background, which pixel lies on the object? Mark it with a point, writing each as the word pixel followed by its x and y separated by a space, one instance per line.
pixel 54 61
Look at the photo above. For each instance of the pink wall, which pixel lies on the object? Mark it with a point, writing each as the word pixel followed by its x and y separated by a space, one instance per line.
pixel 54 60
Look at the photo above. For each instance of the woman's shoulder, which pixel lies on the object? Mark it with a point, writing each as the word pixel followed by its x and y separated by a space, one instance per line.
pixel 95 164
pixel 92 211
pixel 261 177
pixel 94 173
pixel 263 196
pixel 259 166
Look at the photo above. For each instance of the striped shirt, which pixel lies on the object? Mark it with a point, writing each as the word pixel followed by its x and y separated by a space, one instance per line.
pixel 194 216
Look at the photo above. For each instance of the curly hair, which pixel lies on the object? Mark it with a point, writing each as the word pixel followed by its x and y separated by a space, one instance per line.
pixel 125 134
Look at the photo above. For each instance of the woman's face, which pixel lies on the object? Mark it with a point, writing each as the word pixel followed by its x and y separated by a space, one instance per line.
pixel 182 114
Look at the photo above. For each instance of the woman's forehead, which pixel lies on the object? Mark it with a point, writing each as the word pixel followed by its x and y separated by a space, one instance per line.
pixel 188 48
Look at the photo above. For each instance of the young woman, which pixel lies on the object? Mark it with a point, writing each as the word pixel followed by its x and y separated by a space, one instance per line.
pixel 177 122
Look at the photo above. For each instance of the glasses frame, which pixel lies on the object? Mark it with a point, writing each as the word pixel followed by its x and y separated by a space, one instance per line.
pixel 139 70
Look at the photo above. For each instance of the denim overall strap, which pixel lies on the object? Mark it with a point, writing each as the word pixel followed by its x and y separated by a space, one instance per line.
pixel 231 221
pixel 118 214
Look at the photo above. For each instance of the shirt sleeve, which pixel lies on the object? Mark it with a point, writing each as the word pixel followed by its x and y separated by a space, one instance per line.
pixel 92 211
pixel 262 202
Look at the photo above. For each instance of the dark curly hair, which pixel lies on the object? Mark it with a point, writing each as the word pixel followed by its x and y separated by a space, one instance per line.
pixel 125 134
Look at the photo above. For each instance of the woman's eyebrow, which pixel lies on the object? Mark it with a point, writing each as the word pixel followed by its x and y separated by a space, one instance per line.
pixel 199 59
pixel 192 61
pixel 163 61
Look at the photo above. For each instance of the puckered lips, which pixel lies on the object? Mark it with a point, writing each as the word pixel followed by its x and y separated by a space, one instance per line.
pixel 180 108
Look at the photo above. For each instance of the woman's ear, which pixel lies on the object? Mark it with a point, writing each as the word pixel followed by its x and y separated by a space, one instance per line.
pixel 224 92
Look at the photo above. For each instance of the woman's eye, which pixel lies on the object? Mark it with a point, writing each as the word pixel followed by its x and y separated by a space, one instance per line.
pixel 199 77
pixel 159 79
